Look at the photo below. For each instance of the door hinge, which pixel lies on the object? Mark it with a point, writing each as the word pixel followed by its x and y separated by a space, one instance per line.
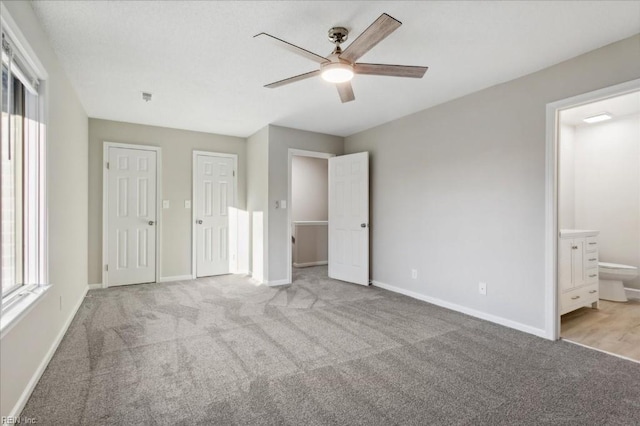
pixel 106 268
pixel 234 173
pixel 107 165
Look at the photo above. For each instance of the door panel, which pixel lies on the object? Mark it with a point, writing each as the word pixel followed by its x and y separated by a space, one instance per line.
pixel 565 272
pixel 131 217
pixel 349 218
pixel 578 262
pixel 214 195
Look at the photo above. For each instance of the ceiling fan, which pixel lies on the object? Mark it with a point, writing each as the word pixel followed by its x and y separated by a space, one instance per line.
pixel 340 66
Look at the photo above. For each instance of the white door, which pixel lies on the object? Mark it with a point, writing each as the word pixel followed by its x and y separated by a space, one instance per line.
pixel 214 195
pixel 349 218
pixel 131 211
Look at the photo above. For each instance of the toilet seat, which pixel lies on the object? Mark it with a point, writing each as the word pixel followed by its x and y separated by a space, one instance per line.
pixel 615 271
pixel 616 266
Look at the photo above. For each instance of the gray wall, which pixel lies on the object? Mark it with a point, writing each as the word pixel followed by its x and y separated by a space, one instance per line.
pixel 458 189
pixel 177 160
pixel 258 200
pixel 24 348
pixel 309 188
pixel 280 140
pixel 312 244
pixel 566 180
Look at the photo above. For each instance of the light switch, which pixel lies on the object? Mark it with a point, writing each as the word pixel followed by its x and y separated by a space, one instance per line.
pixel 283 204
pixel 165 204
pixel 187 204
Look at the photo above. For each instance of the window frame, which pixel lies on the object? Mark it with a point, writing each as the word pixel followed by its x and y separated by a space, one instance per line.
pixel 17 302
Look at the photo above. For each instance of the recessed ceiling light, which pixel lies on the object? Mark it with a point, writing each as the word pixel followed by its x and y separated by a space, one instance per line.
pixel 603 116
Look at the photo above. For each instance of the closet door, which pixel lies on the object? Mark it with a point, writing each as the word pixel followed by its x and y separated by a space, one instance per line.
pixel 131 216
pixel 214 196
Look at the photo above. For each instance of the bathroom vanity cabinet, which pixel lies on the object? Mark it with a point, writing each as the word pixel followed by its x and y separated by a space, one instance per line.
pixel 577 269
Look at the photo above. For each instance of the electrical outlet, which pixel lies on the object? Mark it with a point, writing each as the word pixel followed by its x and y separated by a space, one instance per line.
pixel 414 274
pixel 482 288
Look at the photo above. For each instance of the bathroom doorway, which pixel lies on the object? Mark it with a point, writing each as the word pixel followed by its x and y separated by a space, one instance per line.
pixel 598 222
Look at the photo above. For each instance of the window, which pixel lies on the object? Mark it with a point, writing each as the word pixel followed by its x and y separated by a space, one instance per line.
pixel 22 176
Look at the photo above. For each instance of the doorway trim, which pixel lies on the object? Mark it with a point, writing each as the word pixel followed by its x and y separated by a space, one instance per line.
pixel 194 167
pixel 296 153
pixel 552 316
pixel 105 204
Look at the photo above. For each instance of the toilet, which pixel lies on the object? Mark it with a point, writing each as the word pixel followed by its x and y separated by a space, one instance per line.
pixel 611 277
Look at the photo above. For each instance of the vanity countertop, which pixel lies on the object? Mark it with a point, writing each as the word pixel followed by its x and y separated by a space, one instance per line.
pixel 578 233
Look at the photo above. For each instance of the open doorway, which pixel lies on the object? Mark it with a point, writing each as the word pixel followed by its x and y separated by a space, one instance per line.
pixel 599 221
pixel 347 217
pixel 308 214
pixel 597 213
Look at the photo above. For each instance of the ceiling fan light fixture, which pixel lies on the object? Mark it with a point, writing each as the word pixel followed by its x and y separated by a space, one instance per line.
pixel 340 66
pixel 337 72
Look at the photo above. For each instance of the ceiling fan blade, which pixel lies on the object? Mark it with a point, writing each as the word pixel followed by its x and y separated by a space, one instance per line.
pixel 381 28
pixel 345 90
pixel 292 48
pixel 293 79
pixel 390 70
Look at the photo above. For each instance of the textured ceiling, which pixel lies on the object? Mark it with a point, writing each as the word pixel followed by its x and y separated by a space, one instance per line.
pixel 206 71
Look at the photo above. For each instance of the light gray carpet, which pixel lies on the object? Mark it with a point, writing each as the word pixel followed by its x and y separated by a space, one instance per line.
pixel 224 351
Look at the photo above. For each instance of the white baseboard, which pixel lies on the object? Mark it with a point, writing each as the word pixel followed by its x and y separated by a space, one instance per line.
pixel 161 280
pixel 22 401
pixel 632 293
pixel 176 278
pixel 318 263
pixel 257 279
pixel 276 283
pixel 465 310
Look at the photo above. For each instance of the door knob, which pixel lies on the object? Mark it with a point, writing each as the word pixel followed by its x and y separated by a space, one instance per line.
pixel 199 222
pixel 151 222
pixel 363 225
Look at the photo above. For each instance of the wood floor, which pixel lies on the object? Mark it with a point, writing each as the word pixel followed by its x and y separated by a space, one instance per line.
pixel 615 327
